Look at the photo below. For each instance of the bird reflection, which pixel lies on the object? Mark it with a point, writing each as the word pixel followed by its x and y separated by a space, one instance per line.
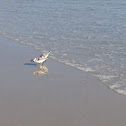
pixel 41 69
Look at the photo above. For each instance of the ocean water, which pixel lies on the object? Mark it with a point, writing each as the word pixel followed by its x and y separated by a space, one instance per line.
pixel 89 35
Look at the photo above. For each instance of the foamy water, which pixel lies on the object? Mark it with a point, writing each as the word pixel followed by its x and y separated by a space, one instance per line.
pixel 89 35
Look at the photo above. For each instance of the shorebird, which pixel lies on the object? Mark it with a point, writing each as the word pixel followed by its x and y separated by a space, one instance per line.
pixel 42 58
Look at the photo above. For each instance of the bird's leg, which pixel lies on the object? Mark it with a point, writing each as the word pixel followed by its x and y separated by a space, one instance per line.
pixel 43 64
pixel 38 66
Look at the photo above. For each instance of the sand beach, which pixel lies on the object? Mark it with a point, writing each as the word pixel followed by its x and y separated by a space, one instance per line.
pixel 64 96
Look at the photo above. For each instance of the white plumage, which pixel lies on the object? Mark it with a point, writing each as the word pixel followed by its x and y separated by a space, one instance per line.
pixel 42 58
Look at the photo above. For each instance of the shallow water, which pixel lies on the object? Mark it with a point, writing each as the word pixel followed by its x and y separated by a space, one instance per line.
pixel 89 35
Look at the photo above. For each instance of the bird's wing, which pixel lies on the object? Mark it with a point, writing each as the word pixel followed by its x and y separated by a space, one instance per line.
pixel 39 58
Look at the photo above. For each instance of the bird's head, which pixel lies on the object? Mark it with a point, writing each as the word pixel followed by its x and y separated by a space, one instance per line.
pixel 34 59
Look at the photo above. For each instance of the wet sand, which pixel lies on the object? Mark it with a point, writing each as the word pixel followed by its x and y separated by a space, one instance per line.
pixel 64 96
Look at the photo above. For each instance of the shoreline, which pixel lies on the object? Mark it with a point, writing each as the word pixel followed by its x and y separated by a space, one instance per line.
pixel 64 96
